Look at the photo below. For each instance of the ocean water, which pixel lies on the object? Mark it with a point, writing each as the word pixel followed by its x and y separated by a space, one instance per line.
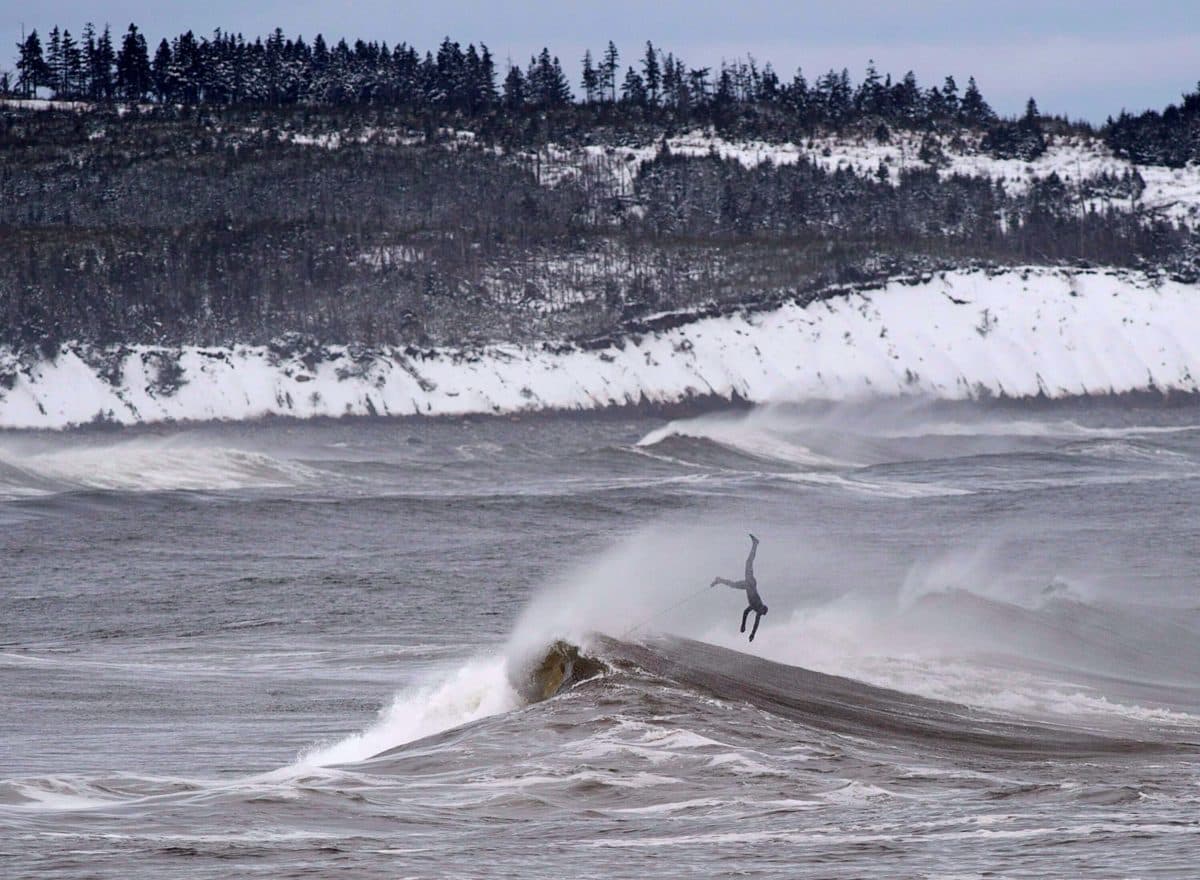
pixel 294 649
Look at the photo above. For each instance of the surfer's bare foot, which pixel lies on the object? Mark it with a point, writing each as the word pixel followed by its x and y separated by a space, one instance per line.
pixel 752 538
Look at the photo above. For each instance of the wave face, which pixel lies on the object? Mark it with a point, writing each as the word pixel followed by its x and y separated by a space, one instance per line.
pixel 836 704
pixel 1021 333
pixel 481 647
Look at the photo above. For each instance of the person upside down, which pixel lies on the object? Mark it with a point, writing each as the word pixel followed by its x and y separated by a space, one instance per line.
pixel 750 585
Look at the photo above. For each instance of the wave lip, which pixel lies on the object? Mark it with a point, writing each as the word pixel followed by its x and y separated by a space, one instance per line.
pixel 144 466
pixel 742 440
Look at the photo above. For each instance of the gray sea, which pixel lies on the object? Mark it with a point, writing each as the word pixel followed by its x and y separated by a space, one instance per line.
pixel 294 649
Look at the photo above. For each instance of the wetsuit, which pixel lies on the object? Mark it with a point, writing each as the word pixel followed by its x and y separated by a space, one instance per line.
pixel 750 585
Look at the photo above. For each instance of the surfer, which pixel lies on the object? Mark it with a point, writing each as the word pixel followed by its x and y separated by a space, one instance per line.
pixel 750 585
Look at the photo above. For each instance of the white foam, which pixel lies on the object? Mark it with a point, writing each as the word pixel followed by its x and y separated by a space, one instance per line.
pixel 747 436
pixel 53 794
pixel 877 488
pixel 148 465
pixel 742 765
pixel 475 690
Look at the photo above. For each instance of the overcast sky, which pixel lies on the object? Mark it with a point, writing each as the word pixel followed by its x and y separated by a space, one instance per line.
pixel 1085 59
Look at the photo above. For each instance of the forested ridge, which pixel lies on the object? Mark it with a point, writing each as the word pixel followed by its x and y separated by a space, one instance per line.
pixel 220 190
pixel 226 69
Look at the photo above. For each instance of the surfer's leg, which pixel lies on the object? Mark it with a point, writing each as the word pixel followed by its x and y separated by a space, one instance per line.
pixel 750 559
pixel 746 614
pixel 757 618
pixel 737 585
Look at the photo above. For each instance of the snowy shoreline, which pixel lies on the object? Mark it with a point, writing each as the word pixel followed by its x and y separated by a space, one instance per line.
pixel 1033 332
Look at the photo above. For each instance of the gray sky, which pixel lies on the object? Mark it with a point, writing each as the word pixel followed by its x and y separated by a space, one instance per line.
pixel 1086 59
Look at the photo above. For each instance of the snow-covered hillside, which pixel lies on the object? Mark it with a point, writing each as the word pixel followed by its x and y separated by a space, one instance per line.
pixel 1172 193
pixel 958 335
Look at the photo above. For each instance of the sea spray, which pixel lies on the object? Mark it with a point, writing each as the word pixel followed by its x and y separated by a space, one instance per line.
pixel 475 690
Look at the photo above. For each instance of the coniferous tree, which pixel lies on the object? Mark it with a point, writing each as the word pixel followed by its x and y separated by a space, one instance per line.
pixel 768 85
pixel 590 79
pixel 798 98
pixel 514 89
pixel 869 97
pixel 724 92
pixel 560 86
pixel 633 88
pixel 906 99
pixel 160 72
pixel 134 74
pixel 546 83
pixel 608 71
pixel 73 77
pixel 32 68
pixel 935 104
pixel 54 62
pixel 836 97
pixel 651 73
pixel 185 72
pixel 1024 140
pixel 974 110
pixel 88 46
pixel 950 97
pixel 670 81
pixel 487 79
pixel 103 84
pixel 697 84
pixel 451 75
pixel 320 53
pixel 472 81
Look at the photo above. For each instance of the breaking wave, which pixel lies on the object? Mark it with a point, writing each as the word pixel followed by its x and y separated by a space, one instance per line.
pixel 141 466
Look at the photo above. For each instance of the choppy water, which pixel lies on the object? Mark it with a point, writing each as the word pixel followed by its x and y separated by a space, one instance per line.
pixel 281 649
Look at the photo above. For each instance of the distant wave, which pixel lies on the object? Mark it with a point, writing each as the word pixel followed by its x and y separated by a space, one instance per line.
pixel 771 439
pixel 737 437
pixel 140 466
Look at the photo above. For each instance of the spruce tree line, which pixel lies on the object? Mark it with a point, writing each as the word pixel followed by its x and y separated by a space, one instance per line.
pixel 1171 137
pixel 227 69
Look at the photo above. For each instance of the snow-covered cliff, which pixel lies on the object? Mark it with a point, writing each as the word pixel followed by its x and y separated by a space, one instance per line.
pixel 961 334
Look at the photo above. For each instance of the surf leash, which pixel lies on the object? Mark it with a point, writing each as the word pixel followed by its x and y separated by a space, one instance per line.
pixel 688 598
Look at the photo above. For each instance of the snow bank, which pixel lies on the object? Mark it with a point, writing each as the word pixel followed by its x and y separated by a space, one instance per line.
pixel 957 335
